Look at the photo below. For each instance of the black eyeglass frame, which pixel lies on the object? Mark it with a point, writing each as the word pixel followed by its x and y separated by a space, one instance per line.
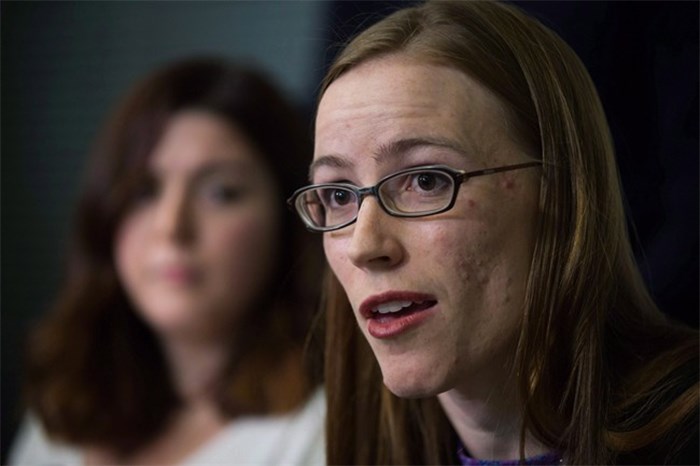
pixel 458 178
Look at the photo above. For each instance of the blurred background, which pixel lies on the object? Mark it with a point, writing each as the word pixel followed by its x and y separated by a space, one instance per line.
pixel 65 64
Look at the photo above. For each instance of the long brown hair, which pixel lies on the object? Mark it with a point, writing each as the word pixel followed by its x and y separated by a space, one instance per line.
pixel 599 369
pixel 95 372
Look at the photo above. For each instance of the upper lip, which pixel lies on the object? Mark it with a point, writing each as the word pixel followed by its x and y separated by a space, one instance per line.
pixel 175 269
pixel 367 306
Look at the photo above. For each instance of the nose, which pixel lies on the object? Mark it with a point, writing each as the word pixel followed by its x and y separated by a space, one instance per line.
pixel 374 243
pixel 173 220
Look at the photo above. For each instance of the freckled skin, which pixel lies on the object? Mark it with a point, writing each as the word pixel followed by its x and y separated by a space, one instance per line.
pixel 509 183
pixel 474 258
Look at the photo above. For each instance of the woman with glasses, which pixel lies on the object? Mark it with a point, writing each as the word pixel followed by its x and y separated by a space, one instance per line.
pixel 179 334
pixel 484 306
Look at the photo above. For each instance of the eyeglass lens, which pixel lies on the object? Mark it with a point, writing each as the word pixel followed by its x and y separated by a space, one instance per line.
pixel 405 193
pixel 417 192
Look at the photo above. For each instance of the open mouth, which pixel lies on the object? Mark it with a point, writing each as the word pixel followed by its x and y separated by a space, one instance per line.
pixel 395 312
pixel 397 309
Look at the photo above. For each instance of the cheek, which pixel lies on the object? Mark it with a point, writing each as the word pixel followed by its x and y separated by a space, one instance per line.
pixel 476 258
pixel 460 249
pixel 494 255
pixel 243 246
pixel 333 249
pixel 129 249
pixel 508 183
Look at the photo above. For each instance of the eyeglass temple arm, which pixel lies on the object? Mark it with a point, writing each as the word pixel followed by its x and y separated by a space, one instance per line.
pixel 506 168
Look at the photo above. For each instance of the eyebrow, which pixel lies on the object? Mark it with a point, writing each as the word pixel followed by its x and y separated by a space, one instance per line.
pixel 215 167
pixel 386 151
pixel 225 166
pixel 404 145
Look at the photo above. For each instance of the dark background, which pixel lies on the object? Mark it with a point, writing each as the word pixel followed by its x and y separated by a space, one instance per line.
pixel 65 64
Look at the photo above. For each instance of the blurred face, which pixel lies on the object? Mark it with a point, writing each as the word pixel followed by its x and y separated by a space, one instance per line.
pixel 198 246
pixel 439 298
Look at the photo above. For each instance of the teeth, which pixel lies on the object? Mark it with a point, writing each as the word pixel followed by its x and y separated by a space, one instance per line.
pixel 392 306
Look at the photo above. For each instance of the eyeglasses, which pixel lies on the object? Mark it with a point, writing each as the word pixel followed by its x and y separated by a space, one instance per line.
pixel 414 192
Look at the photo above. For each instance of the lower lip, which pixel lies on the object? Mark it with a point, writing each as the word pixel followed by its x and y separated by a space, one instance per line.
pixel 179 277
pixel 389 327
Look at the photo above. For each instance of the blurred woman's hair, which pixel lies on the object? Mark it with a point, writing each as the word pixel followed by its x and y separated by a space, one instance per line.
pixel 599 369
pixel 96 373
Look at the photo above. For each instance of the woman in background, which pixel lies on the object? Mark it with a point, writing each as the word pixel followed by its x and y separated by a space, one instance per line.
pixel 179 333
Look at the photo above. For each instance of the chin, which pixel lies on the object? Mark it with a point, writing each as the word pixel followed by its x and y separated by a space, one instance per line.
pixel 171 319
pixel 171 326
pixel 413 380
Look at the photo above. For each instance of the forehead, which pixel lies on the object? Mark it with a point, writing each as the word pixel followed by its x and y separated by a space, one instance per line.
pixel 193 138
pixel 397 97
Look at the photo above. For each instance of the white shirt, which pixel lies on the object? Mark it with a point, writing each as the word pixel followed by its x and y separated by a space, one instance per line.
pixel 292 439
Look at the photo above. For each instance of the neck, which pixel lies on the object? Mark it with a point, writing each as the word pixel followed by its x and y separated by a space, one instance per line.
pixel 196 367
pixel 489 423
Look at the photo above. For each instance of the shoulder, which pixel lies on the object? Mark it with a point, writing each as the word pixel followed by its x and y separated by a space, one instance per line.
pixel 293 439
pixel 33 447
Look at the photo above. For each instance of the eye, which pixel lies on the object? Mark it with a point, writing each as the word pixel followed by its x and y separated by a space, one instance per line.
pixel 340 196
pixel 333 198
pixel 428 182
pixel 224 193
